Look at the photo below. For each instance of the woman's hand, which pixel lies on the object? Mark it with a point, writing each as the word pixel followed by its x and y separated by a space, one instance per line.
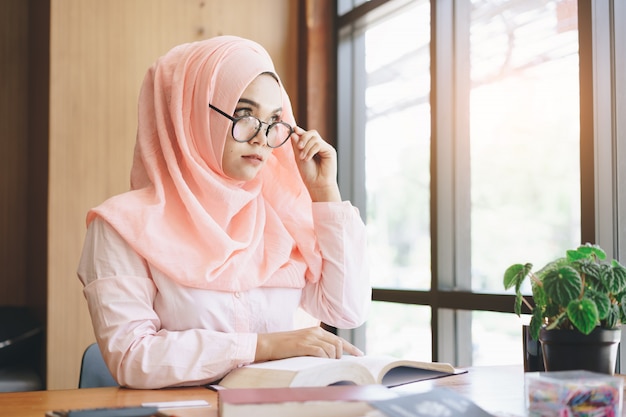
pixel 317 163
pixel 312 341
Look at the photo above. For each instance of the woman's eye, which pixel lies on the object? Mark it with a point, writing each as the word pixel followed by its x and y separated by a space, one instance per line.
pixel 243 112
pixel 275 119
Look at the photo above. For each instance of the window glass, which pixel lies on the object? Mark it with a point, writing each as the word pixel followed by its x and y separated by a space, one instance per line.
pixel 524 135
pixel 397 148
pixel 344 6
pixel 497 338
pixel 399 330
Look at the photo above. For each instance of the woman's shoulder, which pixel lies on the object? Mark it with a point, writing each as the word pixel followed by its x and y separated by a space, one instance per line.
pixel 99 228
pixel 106 253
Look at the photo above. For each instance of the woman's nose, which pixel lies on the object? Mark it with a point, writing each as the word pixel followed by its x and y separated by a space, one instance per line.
pixel 261 136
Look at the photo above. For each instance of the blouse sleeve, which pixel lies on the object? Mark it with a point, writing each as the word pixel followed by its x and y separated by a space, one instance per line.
pixel 138 351
pixel 342 296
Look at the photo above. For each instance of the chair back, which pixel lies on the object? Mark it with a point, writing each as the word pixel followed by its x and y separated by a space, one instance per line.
pixel 93 371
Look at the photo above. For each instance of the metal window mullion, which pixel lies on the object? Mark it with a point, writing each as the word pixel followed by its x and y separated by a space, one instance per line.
pixel 442 202
pixel 608 43
pixel 450 180
pixel 462 175
pixel 619 48
pixel 351 107
pixel 618 62
pixel 604 164
pixel 351 80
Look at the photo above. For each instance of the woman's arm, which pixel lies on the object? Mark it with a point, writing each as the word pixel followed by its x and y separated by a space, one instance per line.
pixel 341 298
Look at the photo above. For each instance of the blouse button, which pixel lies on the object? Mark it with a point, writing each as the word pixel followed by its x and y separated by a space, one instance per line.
pixel 237 294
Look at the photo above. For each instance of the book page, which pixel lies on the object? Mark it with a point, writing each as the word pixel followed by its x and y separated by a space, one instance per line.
pixel 247 377
pixel 298 371
pixel 334 371
pixel 297 363
pixel 391 371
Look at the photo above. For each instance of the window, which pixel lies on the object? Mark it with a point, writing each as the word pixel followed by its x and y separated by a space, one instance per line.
pixel 461 141
pixel 524 135
pixel 397 147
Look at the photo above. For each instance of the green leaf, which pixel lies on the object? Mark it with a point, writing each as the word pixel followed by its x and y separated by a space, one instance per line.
pixel 550 266
pixel 552 310
pixel 588 267
pixel 575 255
pixel 536 322
pixel 598 252
pixel 613 317
pixel 563 285
pixel 515 275
pixel 591 251
pixel 583 314
pixel 619 277
pixel 539 295
pixel 622 303
pixel 602 301
pixel 605 277
pixel 517 308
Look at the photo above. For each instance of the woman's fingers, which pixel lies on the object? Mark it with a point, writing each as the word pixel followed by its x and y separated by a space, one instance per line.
pixel 317 163
pixel 351 349
pixel 313 341
pixel 335 347
pixel 309 143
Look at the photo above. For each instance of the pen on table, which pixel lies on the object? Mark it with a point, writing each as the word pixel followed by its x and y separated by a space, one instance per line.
pixel 178 404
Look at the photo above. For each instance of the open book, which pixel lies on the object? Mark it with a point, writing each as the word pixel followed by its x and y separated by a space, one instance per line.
pixel 309 371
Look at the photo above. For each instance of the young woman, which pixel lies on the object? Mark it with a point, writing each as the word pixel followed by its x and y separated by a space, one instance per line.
pixel 234 220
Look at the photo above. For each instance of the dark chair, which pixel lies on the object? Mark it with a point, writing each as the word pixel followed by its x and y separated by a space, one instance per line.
pixel 21 346
pixel 93 371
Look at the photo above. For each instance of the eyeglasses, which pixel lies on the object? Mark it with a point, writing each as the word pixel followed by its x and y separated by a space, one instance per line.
pixel 247 127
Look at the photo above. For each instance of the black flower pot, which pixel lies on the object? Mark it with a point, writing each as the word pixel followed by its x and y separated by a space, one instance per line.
pixel 533 356
pixel 565 350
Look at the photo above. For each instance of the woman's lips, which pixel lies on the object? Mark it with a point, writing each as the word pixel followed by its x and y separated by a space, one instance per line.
pixel 253 158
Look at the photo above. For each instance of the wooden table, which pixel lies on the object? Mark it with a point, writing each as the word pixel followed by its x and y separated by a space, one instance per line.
pixel 497 389
pixel 36 403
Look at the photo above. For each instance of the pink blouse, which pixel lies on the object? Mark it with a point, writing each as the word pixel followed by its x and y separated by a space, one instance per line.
pixel 155 333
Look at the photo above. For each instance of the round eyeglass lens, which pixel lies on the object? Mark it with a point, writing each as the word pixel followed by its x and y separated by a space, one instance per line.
pixel 245 128
pixel 278 134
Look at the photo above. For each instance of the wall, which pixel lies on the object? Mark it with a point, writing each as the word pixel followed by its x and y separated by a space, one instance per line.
pixel 14 151
pixel 73 151
pixel 23 163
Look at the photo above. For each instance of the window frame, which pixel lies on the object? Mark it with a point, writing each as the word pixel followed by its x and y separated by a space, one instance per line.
pixel 603 182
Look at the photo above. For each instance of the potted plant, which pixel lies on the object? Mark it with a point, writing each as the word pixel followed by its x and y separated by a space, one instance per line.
pixel 579 304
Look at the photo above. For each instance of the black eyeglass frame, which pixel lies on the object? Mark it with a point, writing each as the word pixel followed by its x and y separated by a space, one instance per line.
pixel 261 123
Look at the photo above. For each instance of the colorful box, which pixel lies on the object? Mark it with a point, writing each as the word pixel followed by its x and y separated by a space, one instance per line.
pixel 573 394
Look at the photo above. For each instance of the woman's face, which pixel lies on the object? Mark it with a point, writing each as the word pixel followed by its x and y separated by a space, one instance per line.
pixel 263 100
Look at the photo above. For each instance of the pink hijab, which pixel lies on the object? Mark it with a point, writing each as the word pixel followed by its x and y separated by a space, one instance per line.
pixel 183 215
